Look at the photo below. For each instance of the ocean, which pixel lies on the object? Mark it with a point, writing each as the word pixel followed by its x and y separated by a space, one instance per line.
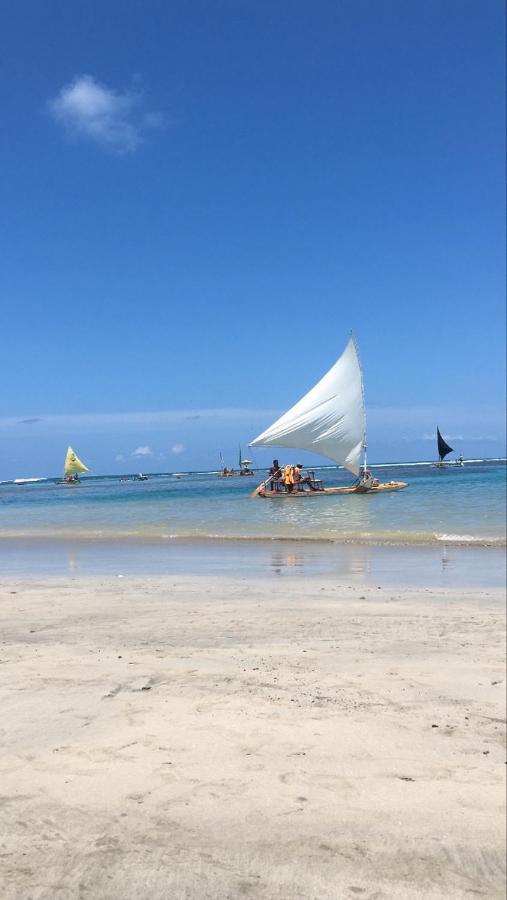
pixel 459 506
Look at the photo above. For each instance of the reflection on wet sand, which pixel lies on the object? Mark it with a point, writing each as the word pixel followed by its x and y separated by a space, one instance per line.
pixel 72 560
pixel 355 563
pixel 288 559
pixel 359 564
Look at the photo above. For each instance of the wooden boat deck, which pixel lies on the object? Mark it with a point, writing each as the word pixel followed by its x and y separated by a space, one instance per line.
pixel 380 488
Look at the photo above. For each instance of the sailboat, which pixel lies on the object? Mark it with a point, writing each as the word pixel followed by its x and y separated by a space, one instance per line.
pixel 244 465
pixel 443 450
pixel 72 468
pixel 224 471
pixel 330 420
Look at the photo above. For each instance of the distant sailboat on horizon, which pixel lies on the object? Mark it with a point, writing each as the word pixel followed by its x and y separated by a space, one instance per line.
pixel 72 467
pixel 244 467
pixel 225 472
pixel 244 464
pixel 443 450
pixel 330 420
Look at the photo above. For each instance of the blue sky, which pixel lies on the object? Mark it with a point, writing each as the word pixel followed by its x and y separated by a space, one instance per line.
pixel 200 201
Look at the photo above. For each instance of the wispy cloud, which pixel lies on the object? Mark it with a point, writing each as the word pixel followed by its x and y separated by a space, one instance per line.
pixel 178 448
pixel 446 437
pixel 186 425
pixel 143 451
pixel 119 458
pixel 163 420
pixel 113 119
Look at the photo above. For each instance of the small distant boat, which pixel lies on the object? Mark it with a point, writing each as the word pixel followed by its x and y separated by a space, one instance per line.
pixel 139 477
pixel 244 465
pixel 443 450
pixel 72 468
pixel 331 420
pixel 224 471
pixel 244 468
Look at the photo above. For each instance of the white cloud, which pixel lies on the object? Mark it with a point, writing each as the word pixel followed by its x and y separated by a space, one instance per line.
pixel 143 451
pixel 111 118
pixel 178 448
pixel 120 458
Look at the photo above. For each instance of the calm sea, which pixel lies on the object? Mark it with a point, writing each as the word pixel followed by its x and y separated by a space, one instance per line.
pixel 453 505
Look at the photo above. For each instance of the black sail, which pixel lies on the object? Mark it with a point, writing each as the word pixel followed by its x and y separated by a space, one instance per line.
pixel 443 448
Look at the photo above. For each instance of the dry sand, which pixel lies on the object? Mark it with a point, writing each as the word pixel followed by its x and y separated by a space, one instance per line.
pixel 280 738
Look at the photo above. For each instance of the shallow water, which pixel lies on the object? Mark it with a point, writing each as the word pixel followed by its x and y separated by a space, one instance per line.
pixel 452 505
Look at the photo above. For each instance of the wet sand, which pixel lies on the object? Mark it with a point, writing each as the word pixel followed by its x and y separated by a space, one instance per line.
pixel 225 737
pixel 441 565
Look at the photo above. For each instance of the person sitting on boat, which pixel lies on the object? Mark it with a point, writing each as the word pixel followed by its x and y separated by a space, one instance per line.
pixel 300 479
pixel 288 478
pixel 367 479
pixel 276 473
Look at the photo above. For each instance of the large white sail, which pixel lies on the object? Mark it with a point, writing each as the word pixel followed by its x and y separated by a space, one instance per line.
pixel 329 419
pixel 73 464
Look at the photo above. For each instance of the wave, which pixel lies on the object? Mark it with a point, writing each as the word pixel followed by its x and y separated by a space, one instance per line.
pixel 154 536
pixel 25 481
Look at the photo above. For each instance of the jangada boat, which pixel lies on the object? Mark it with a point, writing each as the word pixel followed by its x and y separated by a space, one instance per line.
pixel 72 468
pixel 244 465
pixel 330 420
pixel 443 450
pixel 244 468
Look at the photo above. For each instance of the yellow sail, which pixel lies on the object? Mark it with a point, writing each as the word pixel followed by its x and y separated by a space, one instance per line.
pixel 73 464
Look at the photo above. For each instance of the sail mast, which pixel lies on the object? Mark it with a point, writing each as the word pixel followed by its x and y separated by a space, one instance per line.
pixel 365 442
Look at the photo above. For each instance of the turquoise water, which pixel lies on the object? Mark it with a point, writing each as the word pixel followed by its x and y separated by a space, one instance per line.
pixel 453 505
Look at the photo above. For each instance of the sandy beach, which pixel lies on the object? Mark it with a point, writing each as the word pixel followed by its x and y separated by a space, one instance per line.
pixel 214 737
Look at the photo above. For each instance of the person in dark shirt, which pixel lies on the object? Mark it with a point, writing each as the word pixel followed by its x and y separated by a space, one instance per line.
pixel 275 473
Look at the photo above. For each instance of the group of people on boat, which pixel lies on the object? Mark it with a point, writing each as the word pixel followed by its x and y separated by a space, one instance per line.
pixel 290 478
pixel 229 473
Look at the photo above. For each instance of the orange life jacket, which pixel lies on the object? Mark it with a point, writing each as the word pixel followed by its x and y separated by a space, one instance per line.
pixel 288 475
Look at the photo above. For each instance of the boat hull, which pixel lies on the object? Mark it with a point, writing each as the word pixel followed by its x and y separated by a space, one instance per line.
pixel 382 488
pixel 235 475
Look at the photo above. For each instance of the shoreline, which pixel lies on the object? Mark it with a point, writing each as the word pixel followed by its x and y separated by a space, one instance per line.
pixel 378 539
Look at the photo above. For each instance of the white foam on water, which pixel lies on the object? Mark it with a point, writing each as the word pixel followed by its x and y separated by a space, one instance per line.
pixel 25 480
